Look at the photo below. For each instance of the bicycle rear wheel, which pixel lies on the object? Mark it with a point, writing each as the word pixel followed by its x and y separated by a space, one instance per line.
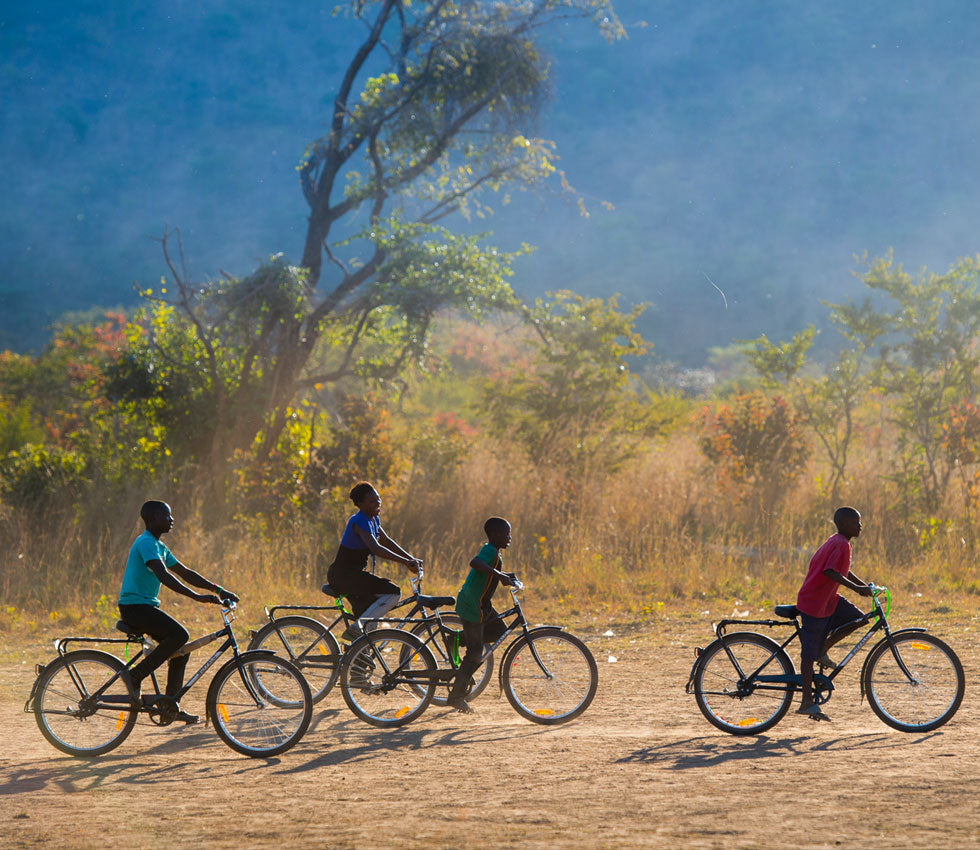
pixel 722 693
pixel 260 721
pixel 927 701
pixel 308 644
pixel 71 721
pixel 560 690
pixel 484 673
pixel 385 677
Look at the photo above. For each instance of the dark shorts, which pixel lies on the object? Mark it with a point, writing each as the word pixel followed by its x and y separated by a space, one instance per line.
pixel 359 586
pixel 814 630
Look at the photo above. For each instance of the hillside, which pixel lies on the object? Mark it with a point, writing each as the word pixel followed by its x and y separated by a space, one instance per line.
pixel 753 146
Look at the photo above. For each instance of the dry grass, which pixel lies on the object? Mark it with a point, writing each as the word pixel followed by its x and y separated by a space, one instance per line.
pixel 660 535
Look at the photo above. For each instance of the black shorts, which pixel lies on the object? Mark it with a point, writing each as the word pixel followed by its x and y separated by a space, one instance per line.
pixel 358 585
pixel 814 630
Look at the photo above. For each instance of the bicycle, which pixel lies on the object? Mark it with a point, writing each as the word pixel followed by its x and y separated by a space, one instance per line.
pixel 311 645
pixel 388 677
pixel 260 704
pixel 913 680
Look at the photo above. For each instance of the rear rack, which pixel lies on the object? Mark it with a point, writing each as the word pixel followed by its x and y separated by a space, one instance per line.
pixel 723 624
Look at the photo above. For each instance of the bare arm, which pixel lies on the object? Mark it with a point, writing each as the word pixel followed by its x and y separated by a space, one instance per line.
pixel 851 582
pixel 388 543
pixel 197 580
pixel 167 579
pixel 379 551
pixel 484 567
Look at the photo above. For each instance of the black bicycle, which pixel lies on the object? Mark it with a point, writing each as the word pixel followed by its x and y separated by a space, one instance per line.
pixel 312 646
pixel 744 681
pixel 260 704
pixel 389 676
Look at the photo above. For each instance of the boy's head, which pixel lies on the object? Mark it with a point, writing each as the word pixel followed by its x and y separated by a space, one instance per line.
pixel 157 517
pixel 848 521
pixel 366 498
pixel 497 530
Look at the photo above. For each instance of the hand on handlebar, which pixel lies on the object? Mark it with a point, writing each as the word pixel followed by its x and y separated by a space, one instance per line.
pixel 866 590
pixel 227 596
pixel 415 566
pixel 510 580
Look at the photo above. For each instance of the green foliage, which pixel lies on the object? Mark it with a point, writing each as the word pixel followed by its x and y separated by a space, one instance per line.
pixel 925 339
pixel 778 363
pixel 828 403
pixel 41 479
pixel 756 443
pixel 17 426
pixel 361 445
pixel 577 404
pixel 439 448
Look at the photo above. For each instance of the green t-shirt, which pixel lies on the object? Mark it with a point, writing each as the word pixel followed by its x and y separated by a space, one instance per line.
pixel 139 585
pixel 477 591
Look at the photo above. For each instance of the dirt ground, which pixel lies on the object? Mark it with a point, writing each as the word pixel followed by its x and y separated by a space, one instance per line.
pixel 641 768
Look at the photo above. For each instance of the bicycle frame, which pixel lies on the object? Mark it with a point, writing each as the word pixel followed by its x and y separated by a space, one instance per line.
pixel 399 675
pixel 226 631
pixel 822 682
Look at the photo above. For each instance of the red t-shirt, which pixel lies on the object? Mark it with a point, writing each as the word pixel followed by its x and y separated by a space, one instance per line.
pixel 818 594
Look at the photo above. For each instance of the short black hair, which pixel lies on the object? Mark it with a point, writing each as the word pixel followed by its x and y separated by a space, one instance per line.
pixel 843 513
pixel 359 491
pixel 495 523
pixel 152 509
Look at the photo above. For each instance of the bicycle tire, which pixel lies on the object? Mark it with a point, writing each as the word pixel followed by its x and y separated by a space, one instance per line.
pixel 564 692
pixel 484 672
pixel 80 732
pixel 722 699
pixel 375 695
pixel 303 640
pixel 243 715
pixel 928 702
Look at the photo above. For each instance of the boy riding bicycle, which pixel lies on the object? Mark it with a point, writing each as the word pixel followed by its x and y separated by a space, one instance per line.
pixel 151 564
pixel 824 614
pixel 481 623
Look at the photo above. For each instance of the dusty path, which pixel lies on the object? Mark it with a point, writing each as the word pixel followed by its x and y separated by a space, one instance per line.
pixel 640 769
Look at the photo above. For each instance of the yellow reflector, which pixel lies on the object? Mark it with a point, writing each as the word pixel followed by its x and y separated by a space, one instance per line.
pixel 416 655
pixel 402 712
pixel 925 646
pixel 121 720
pixel 747 722
pixel 323 650
pixel 544 712
pixel 223 712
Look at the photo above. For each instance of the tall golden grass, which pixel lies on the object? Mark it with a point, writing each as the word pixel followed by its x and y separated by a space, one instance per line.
pixel 660 534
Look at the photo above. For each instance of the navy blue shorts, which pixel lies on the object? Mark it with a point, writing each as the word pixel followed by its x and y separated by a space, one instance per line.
pixel 814 630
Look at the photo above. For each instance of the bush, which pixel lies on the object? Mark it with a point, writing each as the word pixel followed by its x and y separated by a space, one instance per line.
pixel 755 442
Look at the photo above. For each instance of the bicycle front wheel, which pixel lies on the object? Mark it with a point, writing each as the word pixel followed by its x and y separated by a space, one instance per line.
pixel 386 677
pixel 308 644
pixel 264 720
pixel 484 673
pixel 69 718
pixel 549 676
pixel 927 700
pixel 727 694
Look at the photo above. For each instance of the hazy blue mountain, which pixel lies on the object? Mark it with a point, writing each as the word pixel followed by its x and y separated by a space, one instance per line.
pixel 749 146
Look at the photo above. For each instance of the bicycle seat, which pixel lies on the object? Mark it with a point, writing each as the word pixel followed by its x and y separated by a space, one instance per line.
pixel 327 589
pixel 130 631
pixel 433 602
pixel 787 611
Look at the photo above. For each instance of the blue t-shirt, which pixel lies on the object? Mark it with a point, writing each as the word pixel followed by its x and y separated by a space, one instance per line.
pixel 351 539
pixel 140 585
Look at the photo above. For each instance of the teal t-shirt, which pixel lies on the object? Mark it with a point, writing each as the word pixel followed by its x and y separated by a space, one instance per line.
pixel 139 585
pixel 474 596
